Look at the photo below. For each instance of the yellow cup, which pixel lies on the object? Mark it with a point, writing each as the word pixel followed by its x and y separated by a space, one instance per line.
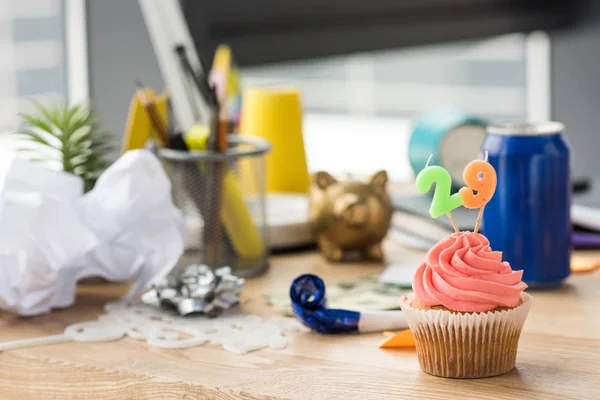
pixel 275 114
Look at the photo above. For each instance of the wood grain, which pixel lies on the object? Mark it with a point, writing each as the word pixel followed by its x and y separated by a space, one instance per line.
pixel 559 354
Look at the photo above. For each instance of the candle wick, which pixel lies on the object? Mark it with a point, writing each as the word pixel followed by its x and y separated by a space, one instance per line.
pixel 429 159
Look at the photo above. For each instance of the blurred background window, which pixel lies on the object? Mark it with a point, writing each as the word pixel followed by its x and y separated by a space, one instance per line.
pixel 486 77
pixel 366 102
pixel 33 64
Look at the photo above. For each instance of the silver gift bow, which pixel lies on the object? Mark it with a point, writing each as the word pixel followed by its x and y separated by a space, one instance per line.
pixel 198 290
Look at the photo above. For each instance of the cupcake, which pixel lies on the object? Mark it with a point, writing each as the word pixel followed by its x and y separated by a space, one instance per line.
pixel 467 309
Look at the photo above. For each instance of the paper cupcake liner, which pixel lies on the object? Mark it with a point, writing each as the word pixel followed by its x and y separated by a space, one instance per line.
pixel 466 345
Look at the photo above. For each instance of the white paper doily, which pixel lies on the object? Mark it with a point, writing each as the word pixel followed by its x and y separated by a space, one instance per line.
pixel 235 331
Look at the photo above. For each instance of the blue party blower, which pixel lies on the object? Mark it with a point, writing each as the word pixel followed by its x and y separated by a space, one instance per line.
pixel 310 307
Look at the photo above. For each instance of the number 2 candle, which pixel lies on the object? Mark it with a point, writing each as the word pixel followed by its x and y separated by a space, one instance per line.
pixel 442 202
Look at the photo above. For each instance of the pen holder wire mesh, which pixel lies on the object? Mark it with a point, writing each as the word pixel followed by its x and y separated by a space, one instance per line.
pixel 222 197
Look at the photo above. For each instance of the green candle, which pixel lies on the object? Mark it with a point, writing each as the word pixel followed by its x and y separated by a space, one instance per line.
pixel 442 202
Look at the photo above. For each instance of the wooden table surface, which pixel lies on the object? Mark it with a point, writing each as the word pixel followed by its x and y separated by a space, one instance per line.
pixel 559 354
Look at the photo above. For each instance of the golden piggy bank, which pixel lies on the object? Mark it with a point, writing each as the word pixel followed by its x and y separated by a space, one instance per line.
pixel 350 218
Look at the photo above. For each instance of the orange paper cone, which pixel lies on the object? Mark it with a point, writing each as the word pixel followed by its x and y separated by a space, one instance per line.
pixel 401 339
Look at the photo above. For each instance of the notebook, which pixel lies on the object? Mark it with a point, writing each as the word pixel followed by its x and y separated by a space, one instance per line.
pixel 585 210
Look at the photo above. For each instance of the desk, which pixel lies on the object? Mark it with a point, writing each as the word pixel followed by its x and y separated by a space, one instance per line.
pixel 559 354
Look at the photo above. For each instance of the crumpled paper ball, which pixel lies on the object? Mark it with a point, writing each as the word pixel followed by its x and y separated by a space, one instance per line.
pixel 131 211
pixel 51 235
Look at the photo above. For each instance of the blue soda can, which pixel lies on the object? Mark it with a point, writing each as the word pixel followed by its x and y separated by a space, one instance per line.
pixel 528 218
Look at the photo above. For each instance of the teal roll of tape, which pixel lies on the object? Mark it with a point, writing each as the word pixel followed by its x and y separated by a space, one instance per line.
pixel 453 138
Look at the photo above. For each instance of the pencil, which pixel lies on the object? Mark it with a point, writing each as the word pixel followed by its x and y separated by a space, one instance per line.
pixel 220 141
pixel 161 131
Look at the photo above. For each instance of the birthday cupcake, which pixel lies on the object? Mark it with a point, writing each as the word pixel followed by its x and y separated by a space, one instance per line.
pixel 467 309
pixel 468 306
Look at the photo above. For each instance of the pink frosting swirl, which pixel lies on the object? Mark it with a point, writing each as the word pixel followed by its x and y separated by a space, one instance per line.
pixel 462 273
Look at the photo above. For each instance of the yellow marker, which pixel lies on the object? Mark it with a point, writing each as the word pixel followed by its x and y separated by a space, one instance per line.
pixel 398 340
pixel 225 76
pixel 235 215
pixel 138 128
pixel 197 137
pixel 223 64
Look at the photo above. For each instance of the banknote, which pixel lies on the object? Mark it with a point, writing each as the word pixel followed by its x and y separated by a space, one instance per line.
pixel 361 294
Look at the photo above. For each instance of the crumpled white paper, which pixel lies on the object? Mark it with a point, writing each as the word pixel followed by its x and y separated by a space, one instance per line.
pixel 126 229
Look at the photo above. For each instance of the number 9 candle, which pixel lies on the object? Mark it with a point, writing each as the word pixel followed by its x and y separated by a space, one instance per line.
pixel 479 176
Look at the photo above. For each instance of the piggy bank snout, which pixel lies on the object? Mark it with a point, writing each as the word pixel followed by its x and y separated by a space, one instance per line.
pixel 352 210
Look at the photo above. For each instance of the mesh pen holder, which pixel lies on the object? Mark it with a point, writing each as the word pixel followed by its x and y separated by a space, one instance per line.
pixel 222 197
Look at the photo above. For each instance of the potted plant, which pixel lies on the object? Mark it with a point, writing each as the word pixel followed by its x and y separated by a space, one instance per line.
pixel 66 138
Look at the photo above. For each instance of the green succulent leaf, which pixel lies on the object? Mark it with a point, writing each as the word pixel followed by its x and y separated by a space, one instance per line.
pixel 67 138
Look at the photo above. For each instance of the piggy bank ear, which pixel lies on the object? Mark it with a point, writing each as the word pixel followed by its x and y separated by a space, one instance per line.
pixel 378 179
pixel 323 180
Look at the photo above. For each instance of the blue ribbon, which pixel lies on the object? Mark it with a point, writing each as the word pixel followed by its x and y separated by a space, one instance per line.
pixel 310 307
